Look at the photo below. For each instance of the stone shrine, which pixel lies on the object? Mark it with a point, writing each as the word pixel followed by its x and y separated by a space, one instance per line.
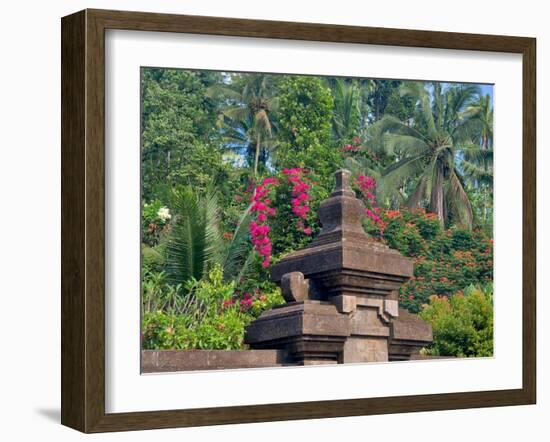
pixel 342 295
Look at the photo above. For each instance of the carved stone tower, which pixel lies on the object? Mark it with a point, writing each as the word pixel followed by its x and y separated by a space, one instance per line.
pixel 341 292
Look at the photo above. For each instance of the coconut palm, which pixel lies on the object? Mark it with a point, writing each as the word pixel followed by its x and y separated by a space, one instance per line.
pixel 196 244
pixel 426 169
pixel 477 161
pixel 480 114
pixel 238 135
pixel 247 114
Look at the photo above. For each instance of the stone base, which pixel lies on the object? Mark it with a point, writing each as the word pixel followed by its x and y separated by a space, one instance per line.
pixel 408 335
pixel 312 332
pixel 362 349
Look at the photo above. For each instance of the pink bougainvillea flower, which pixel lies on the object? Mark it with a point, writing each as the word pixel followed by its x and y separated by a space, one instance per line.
pixel 367 184
pixel 261 209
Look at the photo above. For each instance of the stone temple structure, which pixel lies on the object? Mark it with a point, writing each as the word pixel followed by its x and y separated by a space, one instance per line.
pixel 342 303
pixel 342 295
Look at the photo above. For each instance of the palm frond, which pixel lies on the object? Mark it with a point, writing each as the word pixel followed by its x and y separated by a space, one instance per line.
pixel 421 192
pixel 459 98
pixel 418 91
pixel 474 152
pixel 195 240
pixel 394 176
pixel 346 108
pixel 477 173
pixel 236 253
pixel 403 144
pixel 222 91
pixel 235 113
pixel 390 124
pixel 359 166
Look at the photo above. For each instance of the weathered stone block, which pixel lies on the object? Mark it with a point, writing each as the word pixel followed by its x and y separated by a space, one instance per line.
pixel 361 349
pixel 294 287
pixel 344 303
pixel 409 334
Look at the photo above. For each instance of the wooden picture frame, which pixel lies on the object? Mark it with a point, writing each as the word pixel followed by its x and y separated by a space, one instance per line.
pixel 83 220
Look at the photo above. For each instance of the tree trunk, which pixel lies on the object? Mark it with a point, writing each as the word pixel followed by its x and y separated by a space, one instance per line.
pixel 437 205
pixel 257 156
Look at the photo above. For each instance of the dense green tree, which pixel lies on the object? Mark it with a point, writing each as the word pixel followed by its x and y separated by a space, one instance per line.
pixel 401 107
pixel 178 135
pixel 305 122
pixel 379 96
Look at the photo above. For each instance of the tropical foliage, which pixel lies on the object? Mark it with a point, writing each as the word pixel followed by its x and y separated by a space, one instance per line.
pixel 445 261
pixel 426 172
pixel 462 324
pixel 211 315
pixel 235 165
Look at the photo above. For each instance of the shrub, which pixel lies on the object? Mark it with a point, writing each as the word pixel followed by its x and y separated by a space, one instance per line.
pixel 445 262
pixel 462 324
pixel 157 294
pixel 211 315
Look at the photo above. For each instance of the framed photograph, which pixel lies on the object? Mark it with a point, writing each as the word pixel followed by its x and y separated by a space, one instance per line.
pixel 267 220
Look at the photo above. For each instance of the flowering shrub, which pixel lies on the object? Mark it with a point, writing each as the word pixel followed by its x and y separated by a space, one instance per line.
pixel 462 324
pixel 212 315
pixel 352 148
pixel 367 187
pixel 259 229
pixel 198 320
pixel 254 302
pixel 262 209
pixel 445 262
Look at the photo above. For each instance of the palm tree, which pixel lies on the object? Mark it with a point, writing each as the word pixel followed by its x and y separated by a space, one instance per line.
pixel 346 117
pixel 480 114
pixel 196 244
pixel 426 169
pixel 247 114
pixel 477 160
pixel 238 135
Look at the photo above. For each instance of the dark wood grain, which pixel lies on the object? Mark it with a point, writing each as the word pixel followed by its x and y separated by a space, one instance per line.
pixel 529 220
pixel 73 252
pixel 83 220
